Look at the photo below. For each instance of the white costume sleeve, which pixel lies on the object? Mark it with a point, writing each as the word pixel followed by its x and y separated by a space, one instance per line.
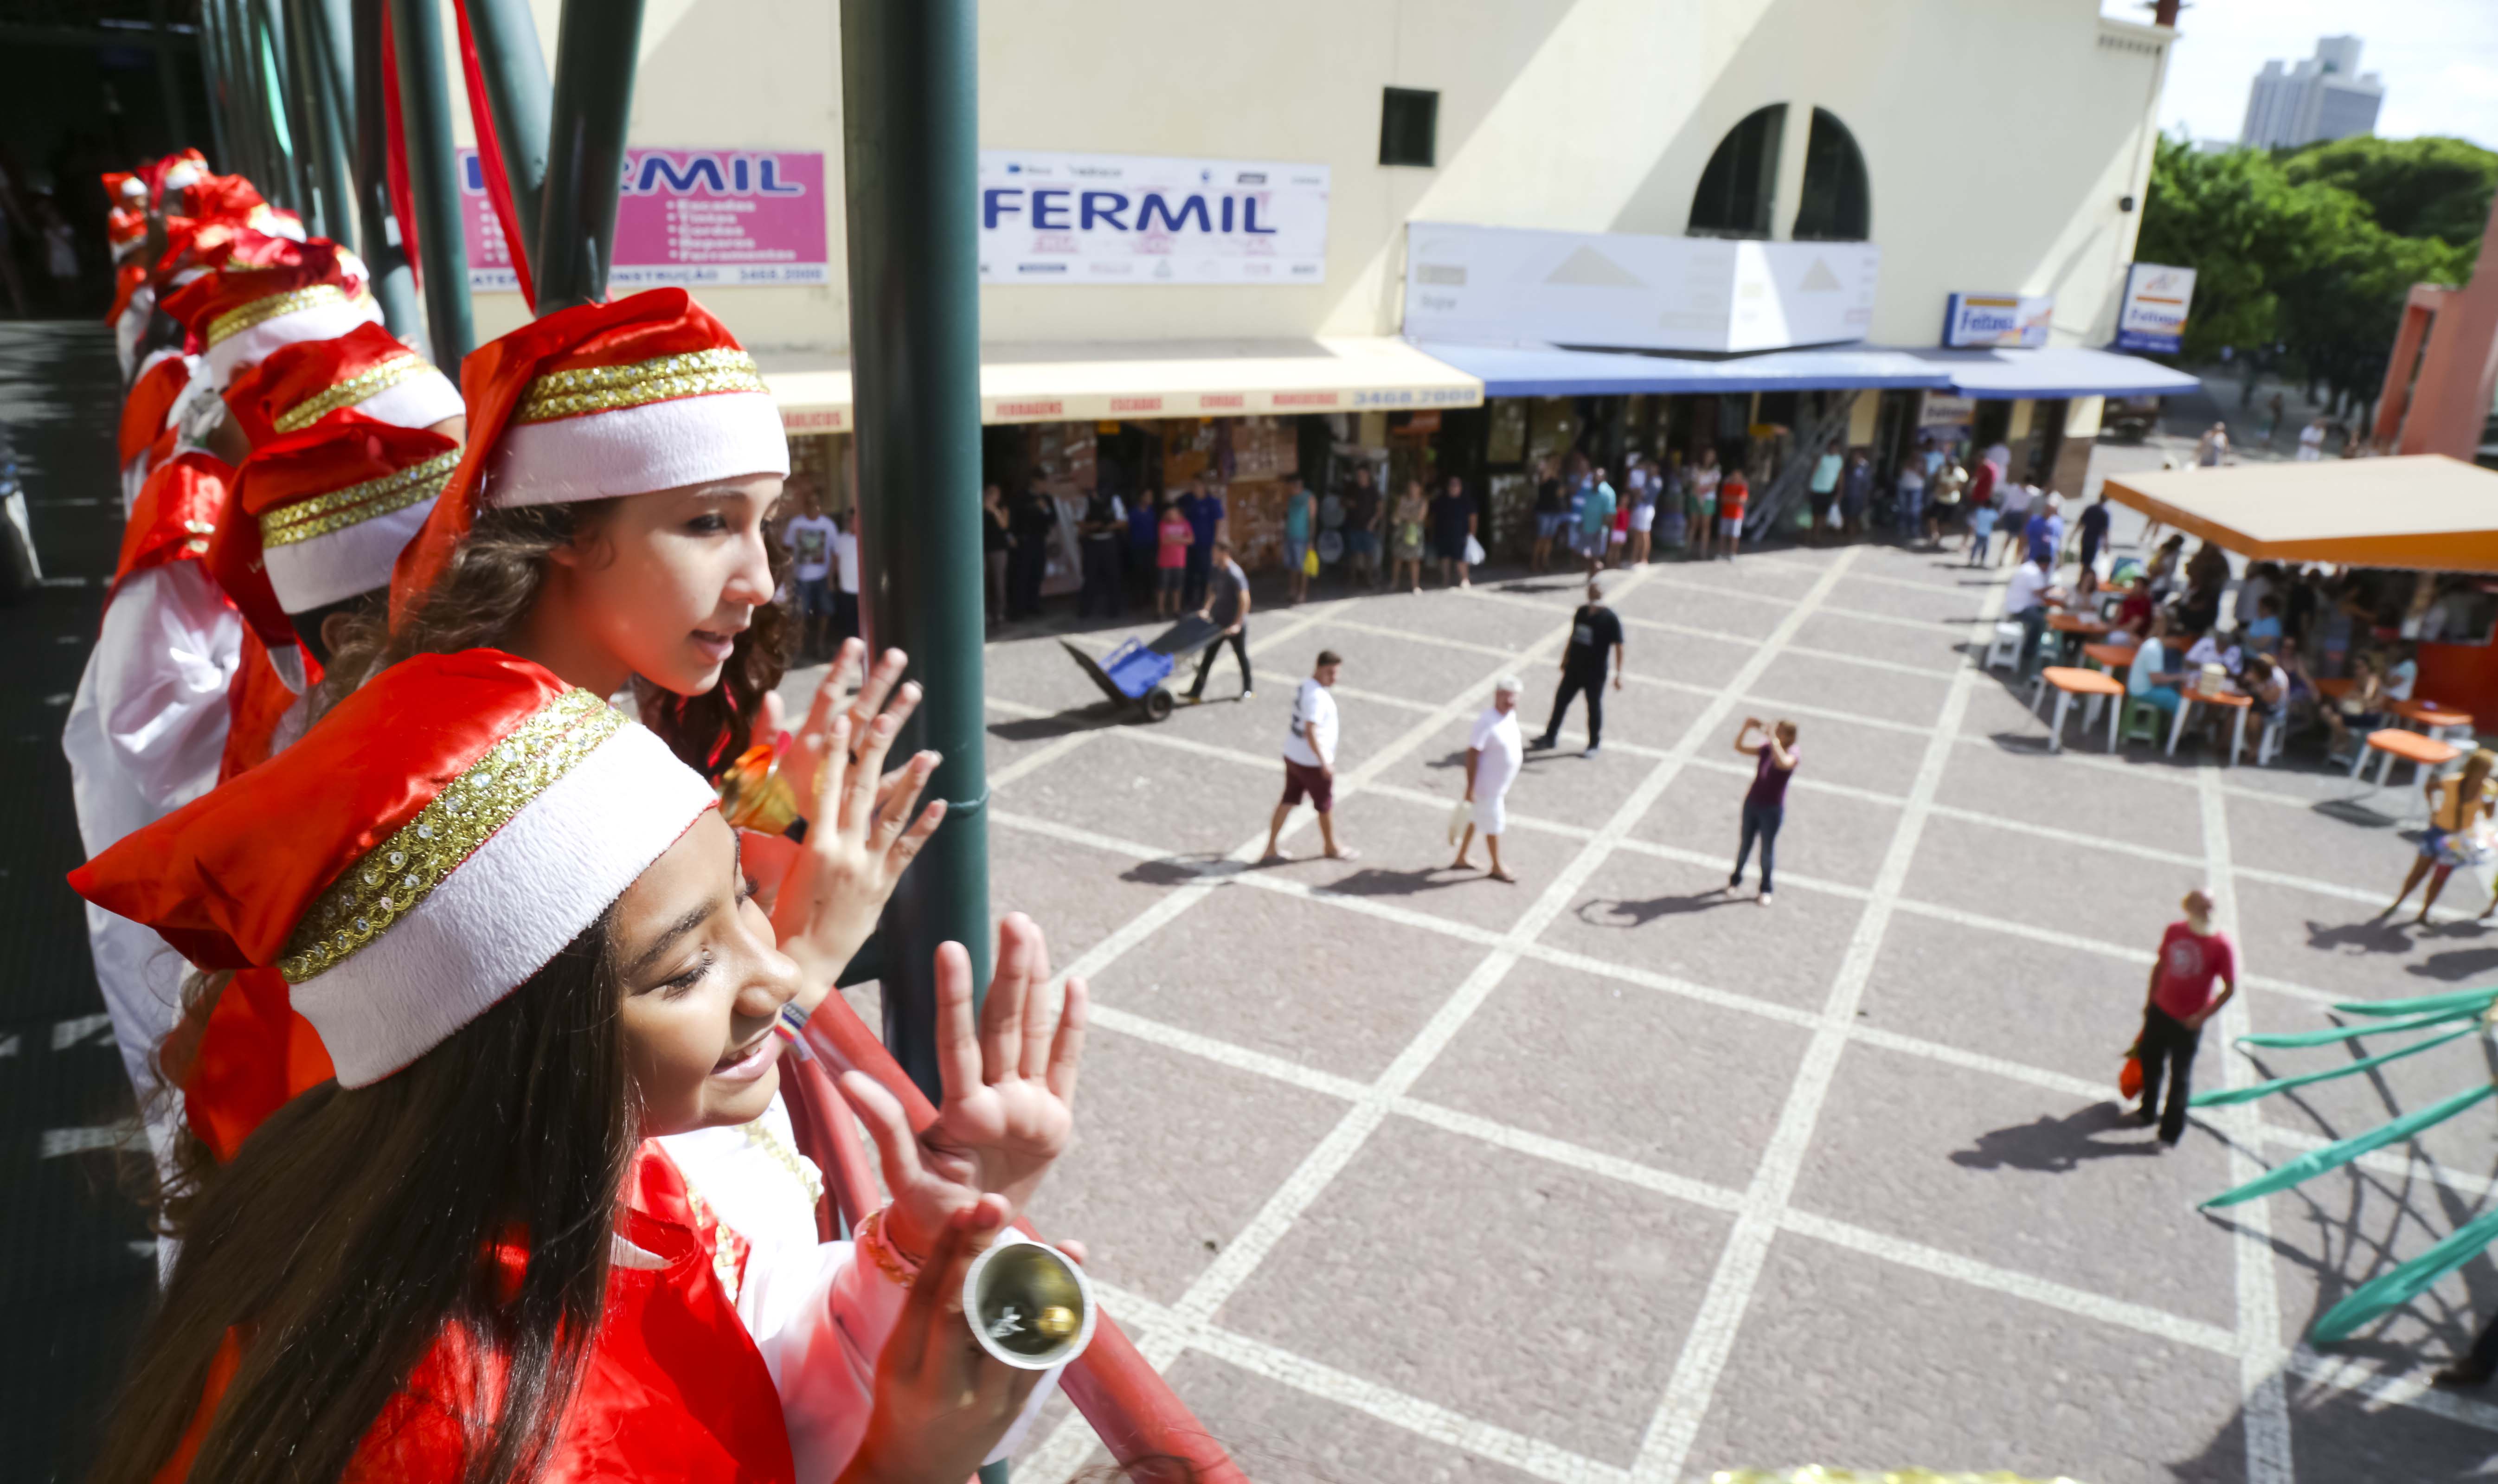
pixel 819 1316
pixel 169 647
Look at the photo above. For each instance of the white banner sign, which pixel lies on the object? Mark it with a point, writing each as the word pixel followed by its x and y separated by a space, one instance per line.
pixel 1128 219
pixel 1517 285
pixel 1972 321
pixel 2153 317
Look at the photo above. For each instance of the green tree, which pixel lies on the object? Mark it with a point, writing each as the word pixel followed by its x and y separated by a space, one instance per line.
pixel 2414 187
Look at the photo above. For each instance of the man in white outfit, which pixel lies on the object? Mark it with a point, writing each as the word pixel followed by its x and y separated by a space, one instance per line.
pixel 1494 751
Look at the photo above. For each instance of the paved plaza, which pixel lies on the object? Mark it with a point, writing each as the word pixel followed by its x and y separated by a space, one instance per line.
pixel 1405 1173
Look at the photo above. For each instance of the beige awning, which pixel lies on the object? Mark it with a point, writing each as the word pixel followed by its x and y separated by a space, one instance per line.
pixel 2425 511
pixel 1213 378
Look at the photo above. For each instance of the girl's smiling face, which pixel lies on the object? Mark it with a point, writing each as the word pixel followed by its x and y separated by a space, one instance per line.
pixel 656 585
pixel 702 985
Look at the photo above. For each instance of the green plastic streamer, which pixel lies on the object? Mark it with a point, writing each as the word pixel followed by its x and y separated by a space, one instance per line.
pixel 2228 1095
pixel 2316 1162
pixel 2353 1032
pixel 2393 1290
pixel 2453 999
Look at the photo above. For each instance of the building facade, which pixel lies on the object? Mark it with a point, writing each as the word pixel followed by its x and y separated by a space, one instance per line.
pixel 2317 98
pixel 1940 148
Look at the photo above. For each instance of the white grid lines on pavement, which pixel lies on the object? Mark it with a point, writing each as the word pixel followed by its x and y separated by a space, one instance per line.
pixel 2261 1352
pixel 1693 1384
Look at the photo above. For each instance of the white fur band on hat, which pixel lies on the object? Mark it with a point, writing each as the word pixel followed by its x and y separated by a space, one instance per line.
pixel 324 320
pixel 341 564
pixel 503 913
pixel 658 445
pixel 417 397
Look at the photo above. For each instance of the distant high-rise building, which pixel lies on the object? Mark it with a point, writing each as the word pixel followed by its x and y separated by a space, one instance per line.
pixel 2321 97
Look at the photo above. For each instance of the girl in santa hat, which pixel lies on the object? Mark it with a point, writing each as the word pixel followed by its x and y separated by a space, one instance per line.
pixel 523 934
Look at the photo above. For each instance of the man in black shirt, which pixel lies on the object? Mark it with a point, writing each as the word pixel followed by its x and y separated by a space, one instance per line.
pixel 1226 608
pixel 1034 518
pixel 1595 633
pixel 1550 508
pixel 1105 521
pixel 1361 511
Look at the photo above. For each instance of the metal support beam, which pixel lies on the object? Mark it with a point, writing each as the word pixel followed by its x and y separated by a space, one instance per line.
pixel 292 180
pixel 327 29
pixel 425 101
pixel 168 81
pixel 385 245
pixel 213 83
pixel 303 115
pixel 909 147
pixel 515 70
pixel 596 49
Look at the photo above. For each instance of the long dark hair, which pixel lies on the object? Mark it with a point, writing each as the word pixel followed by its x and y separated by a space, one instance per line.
pixel 493 580
pixel 359 1226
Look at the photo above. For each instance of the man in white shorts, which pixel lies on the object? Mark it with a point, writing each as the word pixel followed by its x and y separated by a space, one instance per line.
pixel 1494 751
pixel 1648 483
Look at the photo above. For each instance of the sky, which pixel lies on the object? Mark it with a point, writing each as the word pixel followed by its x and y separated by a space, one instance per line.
pixel 2439 60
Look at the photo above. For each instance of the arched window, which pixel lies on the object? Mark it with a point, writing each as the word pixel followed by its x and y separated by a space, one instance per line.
pixel 1836 205
pixel 1740 184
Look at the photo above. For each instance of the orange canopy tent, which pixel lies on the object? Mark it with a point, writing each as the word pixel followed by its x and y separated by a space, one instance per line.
pixel 2425 511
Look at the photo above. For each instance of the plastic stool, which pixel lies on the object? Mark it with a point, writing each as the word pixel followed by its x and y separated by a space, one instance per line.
pixel 2004 653
pixel 2269 744
pixel 2143 722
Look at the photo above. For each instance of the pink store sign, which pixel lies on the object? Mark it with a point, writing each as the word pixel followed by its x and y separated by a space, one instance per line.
pixel 695 217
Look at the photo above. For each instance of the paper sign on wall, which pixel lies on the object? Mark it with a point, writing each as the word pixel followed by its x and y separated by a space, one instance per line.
pixel 2153 317
pixel 1127 219
pixel 1973 321
pixel 695 217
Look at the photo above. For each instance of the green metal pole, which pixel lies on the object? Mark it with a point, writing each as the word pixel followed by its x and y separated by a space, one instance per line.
pixel 327 29
pixel 909 147
pixel 517 91
pixel 245 129
pixel 595 47
pixel 168 83
pixel 287 97
pixel 321 214
pixel 425 104
pixel 385 245
pixel 213 81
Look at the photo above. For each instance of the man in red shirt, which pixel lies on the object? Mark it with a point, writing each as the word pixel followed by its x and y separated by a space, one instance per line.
pixel 2192 957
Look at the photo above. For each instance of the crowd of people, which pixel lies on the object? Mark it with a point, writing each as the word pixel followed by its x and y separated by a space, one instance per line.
pixel 455 962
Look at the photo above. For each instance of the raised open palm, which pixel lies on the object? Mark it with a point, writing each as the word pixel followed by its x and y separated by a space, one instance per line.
pixel 1009 1091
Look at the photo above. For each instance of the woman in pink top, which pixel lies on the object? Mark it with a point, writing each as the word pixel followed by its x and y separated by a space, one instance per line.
pixel 1171 559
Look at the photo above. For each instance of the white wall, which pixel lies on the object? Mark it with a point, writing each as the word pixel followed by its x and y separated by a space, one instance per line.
pixel 1997 134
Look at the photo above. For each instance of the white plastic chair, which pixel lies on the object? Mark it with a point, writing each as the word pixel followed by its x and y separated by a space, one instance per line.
pixel 2004 653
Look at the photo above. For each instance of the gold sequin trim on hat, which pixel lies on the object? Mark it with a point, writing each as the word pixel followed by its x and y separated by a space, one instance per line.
pixel 391 881
pixel 259 311
pixel 354 389
pixel 606 388
pixel 358 503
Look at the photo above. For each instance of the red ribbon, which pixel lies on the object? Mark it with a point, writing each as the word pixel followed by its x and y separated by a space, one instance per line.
pixel 489 154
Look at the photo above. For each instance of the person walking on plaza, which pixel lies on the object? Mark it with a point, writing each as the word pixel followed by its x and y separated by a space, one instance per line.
pixel 1943 500
pixel 1732 496
pixel 1453 525
pixel 1765 803
pixel 1494 757
pixel 2458 833
pixel 1706 477
pixel 2193 956
pixel 808 537
pixel 1551 515
pixel 1029 526
pixel 1300 510
pixel 1309 759
pixel 1909 494
pixel 1826 472
pixel 1405 534
pixel 1855 494
pixel 2212 449
pixel 1105 521
pixel 995 544
pixel 2094 526
pixel 1596 520
pixel 2046 535
pixel 846 576
pixel 1595 633
pixel 2311 441
pixel 1226 608
pixel 1204 513
pixel 1363 511
pixel 1171 559
pixel 1647 488
pixel 2012 502
pixel 1981 531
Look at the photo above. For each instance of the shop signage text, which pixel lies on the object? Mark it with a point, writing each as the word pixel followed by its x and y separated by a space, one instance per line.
pixel 2153 315
pixel 1998 321
pixel 698 217
pixel 1124 218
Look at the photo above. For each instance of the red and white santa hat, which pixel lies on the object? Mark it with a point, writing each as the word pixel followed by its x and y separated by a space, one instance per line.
pixel 422 852
pixel 177 172
pixel 334 504
pixel 367 370
pixel 269 293
pixel 149 410
pixel 599 400
pixel 126 229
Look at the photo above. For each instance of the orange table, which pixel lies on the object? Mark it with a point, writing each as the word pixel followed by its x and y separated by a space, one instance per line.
pixel 2069 682
pixel 2431 717
pixel 2236 701
pixel 2074 623
pixel 2393 745
pixel 2333 690
pixel 2111 657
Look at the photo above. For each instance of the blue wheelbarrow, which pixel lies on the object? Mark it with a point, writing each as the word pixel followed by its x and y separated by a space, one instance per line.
pixel 1135 673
